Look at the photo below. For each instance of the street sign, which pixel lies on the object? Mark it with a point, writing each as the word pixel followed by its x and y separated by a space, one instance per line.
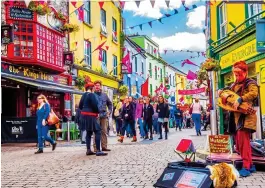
pixel 260 35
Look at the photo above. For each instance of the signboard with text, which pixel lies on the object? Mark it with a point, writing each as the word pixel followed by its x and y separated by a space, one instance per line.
pixel 33 74
pixel 21 13
pixel 191 179
pixel 219 143
pixel 260 35
pixel 68 58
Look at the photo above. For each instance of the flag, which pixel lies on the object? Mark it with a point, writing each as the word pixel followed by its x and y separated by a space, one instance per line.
pixel 74 3
pixel 165 51
pixel 126 63
pixel 153 3
pixel 100 58
pixel 138 3
pixel 187 61
pixel 81 14
pixel 150 23
pixel 144 88
pixel 107 47
pixel 160 88
pixel 155 50
pixel 160 20
pixel 122 4
pixel 167 15
pixel 183 2
pixel 181 99
pixel 141 26
pixel 186 9
pixel 191 75
pixel 138 50
pixel 167 2
pixel 194 6
pixel 100 46
pixel 101 3
pixel 176 11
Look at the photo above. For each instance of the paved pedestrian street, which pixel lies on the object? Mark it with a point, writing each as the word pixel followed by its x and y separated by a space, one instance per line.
pixel 127 165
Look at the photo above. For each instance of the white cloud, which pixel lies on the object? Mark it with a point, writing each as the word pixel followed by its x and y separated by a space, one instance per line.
pixel 146 10
pixel 182 41
pixel 196 19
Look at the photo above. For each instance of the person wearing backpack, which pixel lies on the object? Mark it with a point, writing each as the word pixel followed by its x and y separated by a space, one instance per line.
pixel 196 110
pixel 117 117
pixel 163 114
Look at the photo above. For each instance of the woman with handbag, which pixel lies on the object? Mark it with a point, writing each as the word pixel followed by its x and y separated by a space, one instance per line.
pixel 196 111
pixel 163 114
pixel 43 113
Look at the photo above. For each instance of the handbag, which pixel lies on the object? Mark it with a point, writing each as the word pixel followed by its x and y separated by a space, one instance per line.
pixel 191 109
pixel 53 118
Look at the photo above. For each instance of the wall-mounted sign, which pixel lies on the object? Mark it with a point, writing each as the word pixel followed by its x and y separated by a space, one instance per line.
pixel 7 33
pixel 33 74
pixel 260 35
pixel 21 13
pixel 262 74
pixel 68 58
pixel 191 91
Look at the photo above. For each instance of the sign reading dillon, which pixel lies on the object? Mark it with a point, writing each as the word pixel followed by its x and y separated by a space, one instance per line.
pixel 219 143
pixel 21 13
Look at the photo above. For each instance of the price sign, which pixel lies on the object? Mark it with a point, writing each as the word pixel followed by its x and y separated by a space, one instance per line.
pixel 219 144
pixel 191 179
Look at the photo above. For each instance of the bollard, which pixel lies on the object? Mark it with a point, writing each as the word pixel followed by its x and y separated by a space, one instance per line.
pixel 213 122
pixel 68 131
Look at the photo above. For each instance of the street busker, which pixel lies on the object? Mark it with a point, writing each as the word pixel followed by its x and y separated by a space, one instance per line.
pixel 127 115
pixel 43 112
pixel 105 109
pixel 178 117
pixel 245 124
pixel 196 111
pixel 138 116
pixel 163 114
pixel 88 119
pixel 147 115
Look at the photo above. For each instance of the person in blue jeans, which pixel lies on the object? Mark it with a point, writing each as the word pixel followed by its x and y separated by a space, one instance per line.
pixel 43 112
pixel 178 117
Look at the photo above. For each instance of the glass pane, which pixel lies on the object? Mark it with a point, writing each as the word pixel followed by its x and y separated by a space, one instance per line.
pixel 221 14
pixel 30 28
pixel 23 27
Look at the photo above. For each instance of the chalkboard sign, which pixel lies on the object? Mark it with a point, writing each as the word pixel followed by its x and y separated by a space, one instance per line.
pixel 219 143
pixel 21 13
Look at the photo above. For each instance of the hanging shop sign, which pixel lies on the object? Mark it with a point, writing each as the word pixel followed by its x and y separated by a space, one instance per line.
pixel 260 35
pixel 33 74
pixel 262 74
pixel 21 13
pixel 243 52
pixel 68 58
pixel 191 91
pixel 7 33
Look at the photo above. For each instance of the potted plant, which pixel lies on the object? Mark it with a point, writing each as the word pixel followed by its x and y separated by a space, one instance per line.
pixel 67 27
pixel 80 82
pixel 60 16
pixel 210 65
pixel 123 90
pixel 40 8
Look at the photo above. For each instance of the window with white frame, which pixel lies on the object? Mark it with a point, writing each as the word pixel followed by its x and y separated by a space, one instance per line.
pixel 87 12
pixel 114 30
pixel 103 21
pixel 115 65
pixel 173 80
pixel 223 20
pixel 254 9
pixel 104 60
pixel 135 65
pixel 87 49
pixel 170 83
pixel 148 47
pixel 142 67
pixel 152 50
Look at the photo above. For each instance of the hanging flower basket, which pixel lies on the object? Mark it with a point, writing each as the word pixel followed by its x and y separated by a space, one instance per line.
pixel 80 82
pixel 67 27
pixel 210 65
pixel 59 15
pixel 40 8
pixel 123 90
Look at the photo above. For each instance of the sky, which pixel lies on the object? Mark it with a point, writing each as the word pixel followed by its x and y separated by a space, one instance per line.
pixel 183 31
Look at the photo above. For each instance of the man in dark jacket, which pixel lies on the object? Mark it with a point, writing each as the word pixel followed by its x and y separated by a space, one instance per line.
pixel 163 114
pixel 148 112
pixel 103 103
pixel 178 117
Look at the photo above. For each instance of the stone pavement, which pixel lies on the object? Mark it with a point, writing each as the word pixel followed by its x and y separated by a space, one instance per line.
pixel 127 165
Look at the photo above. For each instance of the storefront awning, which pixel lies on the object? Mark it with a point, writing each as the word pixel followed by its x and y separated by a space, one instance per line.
pixel 44 86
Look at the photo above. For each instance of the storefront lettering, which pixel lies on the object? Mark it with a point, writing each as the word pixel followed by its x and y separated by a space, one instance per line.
pixel 13 69
pixel 219 143
pixel 22 13
pixel 242 53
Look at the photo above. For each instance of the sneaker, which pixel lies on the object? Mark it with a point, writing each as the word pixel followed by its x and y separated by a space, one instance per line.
pixel 89 152
pixel 252 169
pixel 244 172
pixel 101 153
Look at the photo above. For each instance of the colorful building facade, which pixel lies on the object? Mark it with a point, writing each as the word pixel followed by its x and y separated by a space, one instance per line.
pixel 181 83
pixel 97 26
pixel 231 37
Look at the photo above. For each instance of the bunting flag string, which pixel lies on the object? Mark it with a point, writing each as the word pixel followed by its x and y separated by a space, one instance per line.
pixel 159 19
pixel 189 51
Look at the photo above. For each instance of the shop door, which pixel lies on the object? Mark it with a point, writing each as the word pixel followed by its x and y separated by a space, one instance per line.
pixel 9 102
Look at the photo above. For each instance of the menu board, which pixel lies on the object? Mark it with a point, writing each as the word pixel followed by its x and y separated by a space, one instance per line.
pixel 191 179
pixel 219 143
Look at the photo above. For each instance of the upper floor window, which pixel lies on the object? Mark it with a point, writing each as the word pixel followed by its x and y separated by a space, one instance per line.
pixel 161 75
pixel 152 50
pixel 103 21
pixel 222 20
pixel 87 12
pixel 170 83
pixel 114 29
pixel 150 70
pixel 135 64
pixel 142 67
pixel 156 72
pixel 87 49
pixel 115 65
pixel 254 9
pixel 104 61
pixel 173 81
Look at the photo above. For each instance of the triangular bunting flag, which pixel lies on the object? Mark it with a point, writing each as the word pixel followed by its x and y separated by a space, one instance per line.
pixel 138 3
pixel 183 2
pixel 194 6
pixel 101 3
pixel 176 11
pixel 155 50
pixel 141 26
pixel 153 3
pixel 100 58
pixel 122 4
pixel 76 43
pixel 131 27
pixel 100 46
pixel 167 2
pixel 150 23
pixel 107 47
pixel 101 37
pixel 186 9
pixel 160 20
pixel 139 50
pixel 124 49
pixel 76 12
pixel 74 3
pixel 167 15
pixel 27 2
pixel 165 51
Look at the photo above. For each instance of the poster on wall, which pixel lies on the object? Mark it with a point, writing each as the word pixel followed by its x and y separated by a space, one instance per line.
pixel 7 33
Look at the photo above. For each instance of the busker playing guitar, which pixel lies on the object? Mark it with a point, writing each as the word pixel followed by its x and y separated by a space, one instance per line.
pixel 245 123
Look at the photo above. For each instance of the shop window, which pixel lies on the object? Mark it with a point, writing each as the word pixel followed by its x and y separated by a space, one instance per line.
pixel 23 40
pixel 115 65
pixel 87 12
pixel 87 49
pixel 223 20
pixel 114 30
pixel 254 9
pixel 103 22
pixel 156 72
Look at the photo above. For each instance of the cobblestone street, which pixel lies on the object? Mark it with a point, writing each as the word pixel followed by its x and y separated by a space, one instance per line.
pixel 127 165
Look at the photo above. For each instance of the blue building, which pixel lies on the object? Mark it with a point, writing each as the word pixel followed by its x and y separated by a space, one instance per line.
pixel 135 80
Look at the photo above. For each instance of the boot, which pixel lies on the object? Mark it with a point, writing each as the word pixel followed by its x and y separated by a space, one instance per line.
pixel 121 139
pixel 39 151
pixel 134 139
pixel 89 152
pixel 54 146
pixel 200 132
pixel 166 136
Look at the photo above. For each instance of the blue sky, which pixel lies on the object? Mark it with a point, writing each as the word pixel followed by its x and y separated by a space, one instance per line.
pixel 183 31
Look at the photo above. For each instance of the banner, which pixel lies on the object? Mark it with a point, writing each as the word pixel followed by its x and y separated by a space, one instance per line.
pixel 192 91
pixel 126 64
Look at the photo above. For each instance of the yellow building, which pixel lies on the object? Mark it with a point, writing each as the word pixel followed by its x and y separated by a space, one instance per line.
pixel 181 83
pixel 231 37
pixel 99 25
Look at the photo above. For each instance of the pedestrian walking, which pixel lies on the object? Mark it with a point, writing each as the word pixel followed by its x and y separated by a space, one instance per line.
pixel 138 115
pixel 117 117
pixel 148 112
pixel 88 120
pixel 43 112
pixel 188 119
pixel 77 121
pixel 127 119
pixel 196 110
pixel 131 100
pixel 155 119
pixel 163 113
pixel 178 117
pixel 103 103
